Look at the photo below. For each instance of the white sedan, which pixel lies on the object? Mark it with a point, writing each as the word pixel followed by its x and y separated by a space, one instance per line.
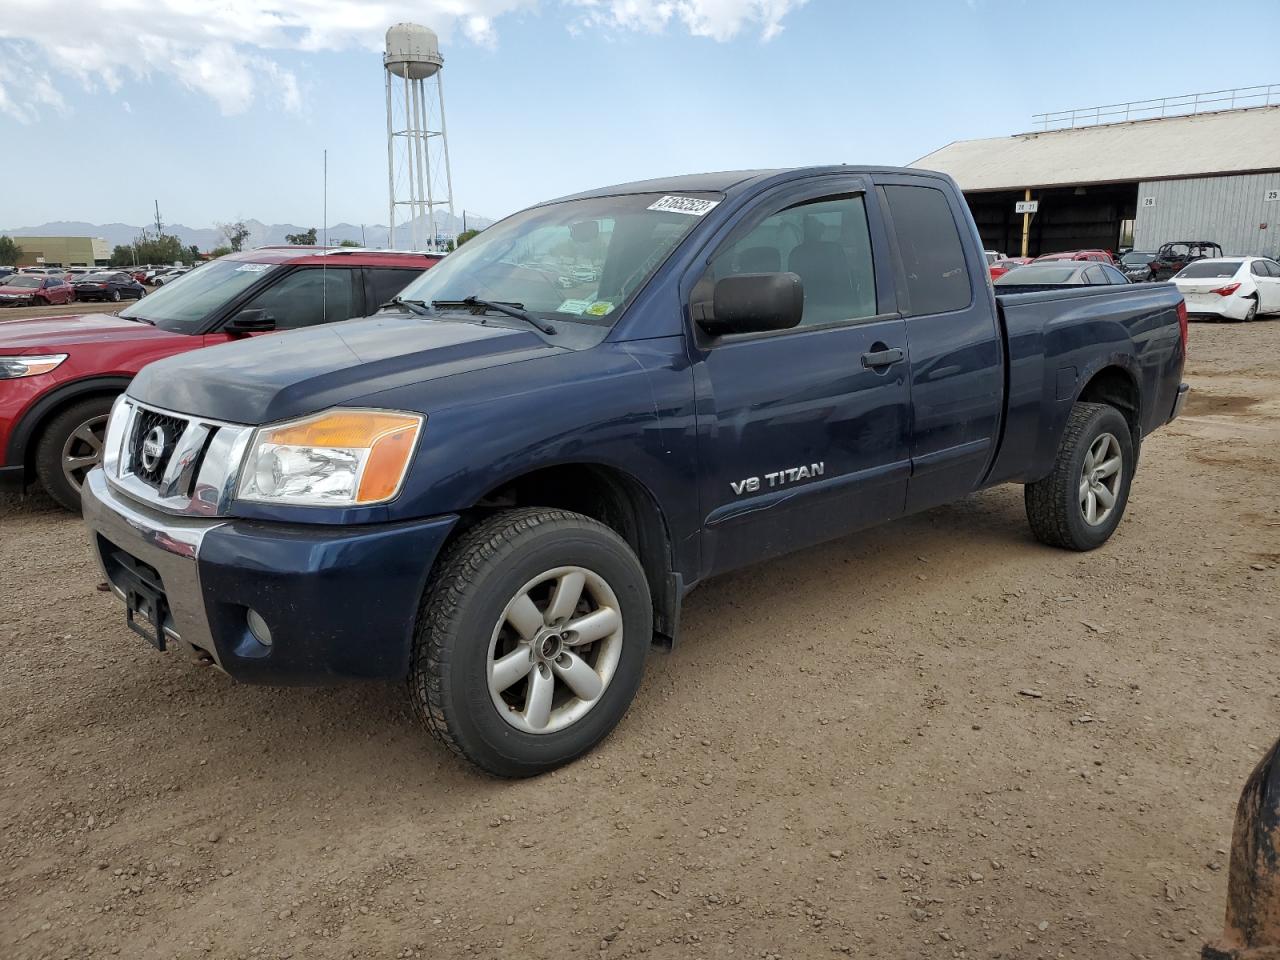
pixel 1231 288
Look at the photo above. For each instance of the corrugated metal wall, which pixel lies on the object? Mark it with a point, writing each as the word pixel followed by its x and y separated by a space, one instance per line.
pixel 1228 210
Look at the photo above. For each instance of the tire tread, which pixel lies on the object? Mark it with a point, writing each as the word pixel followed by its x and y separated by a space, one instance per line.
pixel 48 451
pixel 1044 498
pixel 487 543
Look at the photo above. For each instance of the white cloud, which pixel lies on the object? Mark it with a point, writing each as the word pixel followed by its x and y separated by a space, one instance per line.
pixel 718 19
pixel 226 49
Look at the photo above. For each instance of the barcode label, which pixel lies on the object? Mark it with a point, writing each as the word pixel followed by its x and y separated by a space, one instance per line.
pixel 693 206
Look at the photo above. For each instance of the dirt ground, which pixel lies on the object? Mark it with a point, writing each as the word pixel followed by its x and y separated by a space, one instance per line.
pixel 935 739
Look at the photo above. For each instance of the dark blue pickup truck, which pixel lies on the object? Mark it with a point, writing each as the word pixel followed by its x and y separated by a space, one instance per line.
pixel 501 486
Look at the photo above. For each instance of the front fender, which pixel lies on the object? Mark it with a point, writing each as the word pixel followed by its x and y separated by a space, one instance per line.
pixel 25 429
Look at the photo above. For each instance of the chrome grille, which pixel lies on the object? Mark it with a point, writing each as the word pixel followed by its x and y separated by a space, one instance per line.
pixel 191 465
pixel 155 436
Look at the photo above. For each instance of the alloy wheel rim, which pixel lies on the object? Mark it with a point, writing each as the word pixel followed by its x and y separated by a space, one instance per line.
pixel 1100 477
pixel 555 650
pixel 82 451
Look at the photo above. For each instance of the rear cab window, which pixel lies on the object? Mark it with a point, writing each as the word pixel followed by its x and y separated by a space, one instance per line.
pixel 935 275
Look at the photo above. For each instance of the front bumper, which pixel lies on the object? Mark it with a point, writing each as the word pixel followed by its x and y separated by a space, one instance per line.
pixel 341 602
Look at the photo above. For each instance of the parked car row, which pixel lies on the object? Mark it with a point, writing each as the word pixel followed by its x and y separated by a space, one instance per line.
pixel 1137 266
pixel 1228 288
pixel 34 289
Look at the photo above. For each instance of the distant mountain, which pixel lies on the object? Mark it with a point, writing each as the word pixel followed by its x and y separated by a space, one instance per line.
pixel 260 234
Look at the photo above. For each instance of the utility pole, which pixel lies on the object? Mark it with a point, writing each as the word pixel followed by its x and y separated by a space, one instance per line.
pixel 159 224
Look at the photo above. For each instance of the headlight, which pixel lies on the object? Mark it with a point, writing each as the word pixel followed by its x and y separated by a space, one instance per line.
pixel 11 368
pixel 337 458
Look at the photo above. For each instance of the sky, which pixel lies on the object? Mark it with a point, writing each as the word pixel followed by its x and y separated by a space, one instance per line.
pixel 223 110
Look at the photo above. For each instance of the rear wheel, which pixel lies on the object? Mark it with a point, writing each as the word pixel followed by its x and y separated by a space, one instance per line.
pixel 71 446
pixel 531 640
pixel 1252 313
pixel 115 295
pixel 1079 505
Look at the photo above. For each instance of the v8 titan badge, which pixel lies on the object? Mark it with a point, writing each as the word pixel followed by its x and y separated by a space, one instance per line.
pixel 693 206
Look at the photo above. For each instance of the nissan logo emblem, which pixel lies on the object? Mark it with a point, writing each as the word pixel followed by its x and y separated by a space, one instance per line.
pixel 152 448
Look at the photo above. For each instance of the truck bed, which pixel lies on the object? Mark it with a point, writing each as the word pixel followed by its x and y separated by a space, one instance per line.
pixel 1051 338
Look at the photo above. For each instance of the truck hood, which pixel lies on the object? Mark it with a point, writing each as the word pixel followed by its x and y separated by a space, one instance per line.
pixel 286 375
pixel 60 333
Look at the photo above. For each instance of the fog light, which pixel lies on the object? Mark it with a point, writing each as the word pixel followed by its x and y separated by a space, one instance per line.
pixel 258 627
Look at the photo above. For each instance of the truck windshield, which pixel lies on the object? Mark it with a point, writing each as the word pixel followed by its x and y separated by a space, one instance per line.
pixel 579 260
pixel 183 304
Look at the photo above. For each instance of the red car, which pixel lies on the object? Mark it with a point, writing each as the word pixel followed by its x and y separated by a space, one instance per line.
pixel 60 375
pixel 1001 267
pixel 34 290
pixel 1101 256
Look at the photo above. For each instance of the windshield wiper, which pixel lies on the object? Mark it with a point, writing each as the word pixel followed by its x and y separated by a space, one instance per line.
pixel 415 306
pixel 510 309
pixel 139 319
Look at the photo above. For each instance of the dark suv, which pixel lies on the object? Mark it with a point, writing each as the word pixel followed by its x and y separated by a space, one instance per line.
pixel 1172 257
pixel 60 375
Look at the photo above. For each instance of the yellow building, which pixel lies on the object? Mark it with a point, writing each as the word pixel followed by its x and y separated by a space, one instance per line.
pixel 62 251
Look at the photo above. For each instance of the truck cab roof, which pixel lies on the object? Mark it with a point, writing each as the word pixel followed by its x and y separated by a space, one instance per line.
pixel 735 182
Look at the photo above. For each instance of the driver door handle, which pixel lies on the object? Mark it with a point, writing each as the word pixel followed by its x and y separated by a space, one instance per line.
pixel 878 359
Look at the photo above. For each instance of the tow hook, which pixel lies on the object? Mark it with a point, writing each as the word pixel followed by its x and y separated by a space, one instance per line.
pixel 1252 928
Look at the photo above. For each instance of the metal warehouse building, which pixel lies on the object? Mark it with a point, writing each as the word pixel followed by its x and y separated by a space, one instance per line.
pixel 1108 181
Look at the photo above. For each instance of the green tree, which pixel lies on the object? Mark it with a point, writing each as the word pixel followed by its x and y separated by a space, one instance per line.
pixel 305 239
pixel 466 235
pixel 236 233
pixel 219 251
pixel 194 253
pixel 149 248
pixel 348 243
pixel 10 251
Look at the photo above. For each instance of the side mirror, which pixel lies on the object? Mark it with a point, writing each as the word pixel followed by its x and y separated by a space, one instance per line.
pixel 754 303
pixel 250 321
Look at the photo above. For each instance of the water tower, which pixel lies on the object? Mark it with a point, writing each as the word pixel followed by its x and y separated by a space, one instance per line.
pixel 418 175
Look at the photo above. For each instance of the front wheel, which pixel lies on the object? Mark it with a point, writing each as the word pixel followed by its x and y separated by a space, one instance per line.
pixel 1079 505
pixel 531 640
pixel 71 446
pixel 115 296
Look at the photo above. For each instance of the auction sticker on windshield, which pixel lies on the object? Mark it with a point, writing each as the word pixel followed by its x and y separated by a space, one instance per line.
pixel 694 206
pixel 575 307
pixel 600 308
pixel 253 268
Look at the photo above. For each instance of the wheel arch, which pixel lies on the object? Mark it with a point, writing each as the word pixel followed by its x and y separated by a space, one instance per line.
pixel 22 442
pixel 1115 385
pixel 619 501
